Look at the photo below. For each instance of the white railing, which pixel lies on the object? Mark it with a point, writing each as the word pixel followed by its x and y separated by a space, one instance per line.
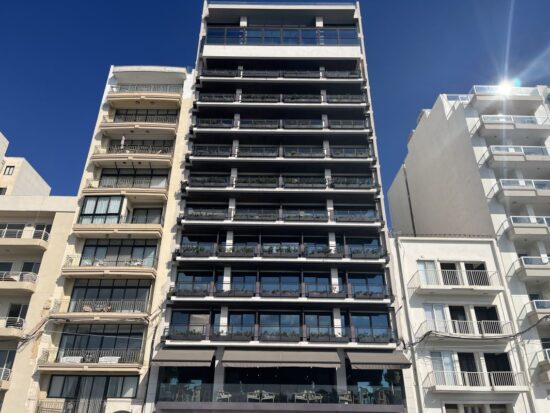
pixel 12 322
pixel 504 90
pixel 145 149
pixel 71 406
pixel 11 276
pixel 160 182
pixel 99 306
pixel 155 88
pixel 27 233
pixel 79 261
pixel 519 120
pixel 494 379
pixel 525 150
pixel 529 219
pixel 450 278
pixel 90 356
pixel 465 327
pixel 543 184
pixel 5 374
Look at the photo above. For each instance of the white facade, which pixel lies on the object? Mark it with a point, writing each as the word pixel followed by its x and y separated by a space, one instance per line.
pixel 477 166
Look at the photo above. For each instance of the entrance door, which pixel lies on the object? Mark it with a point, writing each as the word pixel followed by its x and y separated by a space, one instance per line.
pixel 91 394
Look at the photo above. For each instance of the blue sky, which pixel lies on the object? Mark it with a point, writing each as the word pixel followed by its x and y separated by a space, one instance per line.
pixel 54 58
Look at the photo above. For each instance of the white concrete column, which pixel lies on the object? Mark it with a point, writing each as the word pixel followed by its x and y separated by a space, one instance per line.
pixel 542 251
pixel 519 175
pixel 151 391
pixel 229 241
pixel 332 241
pixel 233 177
pixel 224 311
pixel 226 279
pixel 235 147
pixel 471 314
pixel 462 273
pixel 337 322
pixel 330 209
pixel 324 118
pixel 323 96
pixel 218 373
pixel 238 93
pixel 319 21
pixel 334 278
pixel 231 208
pixel 243 21
pixel 326 147
pixel 341 379
pixel 236 120
pixel 328 175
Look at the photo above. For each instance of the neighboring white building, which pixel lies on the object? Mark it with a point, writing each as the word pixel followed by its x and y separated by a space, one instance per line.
pixel 478 165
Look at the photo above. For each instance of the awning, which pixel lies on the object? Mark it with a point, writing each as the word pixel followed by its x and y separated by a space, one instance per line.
pixel 183 357
pixel 274 358
pixel 377 361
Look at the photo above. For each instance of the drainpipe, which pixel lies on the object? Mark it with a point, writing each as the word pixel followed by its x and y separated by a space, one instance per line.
pixel 401 275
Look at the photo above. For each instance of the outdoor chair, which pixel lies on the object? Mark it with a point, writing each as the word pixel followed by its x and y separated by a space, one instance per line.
pixel 223 396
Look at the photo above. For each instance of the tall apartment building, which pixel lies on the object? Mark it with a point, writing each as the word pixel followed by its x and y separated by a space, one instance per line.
pixel 33 234
pixel 477 164
pixel 281 295
pixel 104 311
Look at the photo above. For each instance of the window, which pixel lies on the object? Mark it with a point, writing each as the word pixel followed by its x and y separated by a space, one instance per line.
pixel 8 170
pixel 72 387
pixel 119 295
pixel 318 283
pixel 5 266
pixel 427 272
pixel 31 267
pixel 318 324
pixel 6 359
pixel 117 252
pixel 100 210
pixel 3 191
pixel 102 336
pixel 124 386
pixel 133 178
pixel 367 284
pixel 280 325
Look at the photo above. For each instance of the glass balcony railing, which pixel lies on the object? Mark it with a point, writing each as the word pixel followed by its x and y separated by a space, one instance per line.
pixel 215 123
pixel 280 333
pixel 18 276
pixel 530 220
pixel 189 332
pixel 352 182
pixel 197 249
pixel 238 249
pixel 256 36
pixel 525 150
pixel 208 181
pixel 312 250
pixel 260 98
pixel 217 97
pixel 212 150
pixel 346 99
pixel 235 289
pixel 248 151
pixel 355 215
pixel 259 123
pixel 304 181
pixel 245 181
pixel 261 73
pixel 319 215
pixel 100 306
pixel 365 251
pixel 233 333
pixel 347 124
pixel 249 214
pixel 122 219
pixel 535 261
pixel 205 213
pixel 153 88
pixel 137 118
pixel 302 124
pixel 279 289
pixel 280 250
pixel 303 152
pixel 289 74
pixel 517 120
pixel 155 182
pixel 219 73
pixel 72 261
pixel 505 90
pixel 192 289
pixel 541 305
pixel 302 98
pixel 350 152
pixel 540 184
pixel 373 334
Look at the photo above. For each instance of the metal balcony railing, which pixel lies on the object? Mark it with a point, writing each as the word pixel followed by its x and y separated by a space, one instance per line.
pixel 342 74
pixel 504 90
pixel 525 150
pixel 140 149
pixel 542 184
pixel 259 123
pixel 302 124
pixel 372 334
pixel 212 150
pixel 355 215
pixel 205 213
pixel 303 74
pixel 304 181
pixel 249 214
pixel 91 356
pixel 347 124
pixel 122 219
pixel 322 251
pixel 257 181
pixel 295 98
pixel 27 233
pixel 260 98
pixel 257 151
pixel 21 276
pixel 138 118
pixel 72 406
pixel 365 182
pixel 233 333
pixel 270 36
pixel 517 120
pixel 209 181
pixel 464 327
pixel 217 97
pixel 346 99
pixel 72 261
pixel 493 379
pixel 350 152
pixel 328 334
pixel 364 251
pixel 155 88
pixel 303 152
pixel 5 374
pixel 261 73
pixel 194 332
pixel 219 73
pixel 459 278
pixel 12 322
pixel 158 182
pixel 291 74
pixel 192 289
pixel 215 123
pixel 305 215
pixel 99 306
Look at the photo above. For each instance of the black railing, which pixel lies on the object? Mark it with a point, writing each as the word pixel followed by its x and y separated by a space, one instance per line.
pixel 209 181
pixel 346 99
pixel 303 152
pixel 217 97
pixel 302 98
pixel 302 124
pixel 212 150
pixel 352 182
pixel 256 214
pixel 215 123
pixel 257 181
pixel 260 98
pixel 258 151
pixel 350 152
pixel 347 124
pixel 259 123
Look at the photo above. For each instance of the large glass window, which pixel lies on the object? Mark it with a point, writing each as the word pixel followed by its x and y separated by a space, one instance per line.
pixel 194 282
pixel 367 284
pixel 82 387
pixel 134 178
pixel 110 295
pixel 116 252
pixel 280 325
pixel 371 327
pixel 6 359
pixel 100 210
pixel 102 336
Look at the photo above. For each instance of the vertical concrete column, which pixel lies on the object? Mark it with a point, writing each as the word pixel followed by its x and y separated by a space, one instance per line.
pixel 319 21
pixel 218 373
pixel 231 208
pixel 330 209
pixel 324 96
pixel 243 21
pixel 462 274
pixel 328 176
pixel 482 367
pixel 233 177
pixel 224 319
pixel 124 206
pixel 326 148
pixel 476 327
pixel 519 175
pixel 332 241
pixel 229 241
pixel 334 278
pixel 240 70
pixel 235 147
pixel 341 379
pixel 542 251
pixel 151 391
pixel 531 212
pixel 226 279
pixel 337 322
pixel 324 119
pixel 236 120
pixel 238 94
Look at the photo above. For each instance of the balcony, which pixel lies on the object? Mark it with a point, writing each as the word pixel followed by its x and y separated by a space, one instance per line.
pixel 276 397
pixel 123 226
pixel 533 269
pixel 304 182
pixel 209 181
pixel 534 228
pixel 161 95
pixel 350 152
pixel 248 151
pixel 352 182
pixel 523 190
pixel 211 151
pixel 249 214
pixel 233 333
pixel 476 382
pixel 96 360
pixel 128 123
pixel 99 309
pixel 355 215
pixel 270 99
pixel 5 375
pixel 494 97
pixel 256 181
pixel 305 215
pixel 24 240
pixel 111 156
pixel 538 312
pixel 448 329
pixel 514 126
pixel 11 327
pixel 287 76
pixel 77 266
pixel 89 405
pixel 303 152
pixel 452 282
pixel 204 214
pixel 543 359
pixel 17 282
pixel 136 188
pixel 513 156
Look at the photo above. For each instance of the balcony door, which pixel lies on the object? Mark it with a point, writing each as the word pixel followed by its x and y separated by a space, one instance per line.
pixel 91 394
pixel 468 370
pixel 443 367
pixel 450 273
pixel 427 272
pixel 435 317
pixel 459 320
pixel 498 366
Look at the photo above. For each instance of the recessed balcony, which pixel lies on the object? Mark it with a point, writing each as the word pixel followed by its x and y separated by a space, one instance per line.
pixel 534 228
pixel 97 309
pixel 533 269
pixel 276 99
pixel 518 156
pixel 511 126
pixel 18 282
pixel 503 97
pixel 476 382
pixel 447 330
pixel 143 121
pixel 281 76
pixel 523 190
pixel 159 95
pixel 28 239
pixel 97 360
pixel 5 375
pixel 452 282
pixel 128 155
pixel 11 327
pixel 77 266
pixel 145 189
pixel 124 226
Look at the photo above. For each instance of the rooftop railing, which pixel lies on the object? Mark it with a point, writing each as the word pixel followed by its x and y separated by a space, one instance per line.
pixel 256 36
pixel 504 90
pixel 464 327
pixel 12 322
pixel 525 150
pixel 143 182
pixel 21 276
pixel 518 120
pixel 77 260
pixel 155 88
pixel 99 306
pixel 27 233
pixel 493 379
pixel 458 278
pixel 137 118
pixel 91 356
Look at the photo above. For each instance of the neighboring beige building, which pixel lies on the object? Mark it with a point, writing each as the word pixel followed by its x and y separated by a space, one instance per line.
pixel 105 308
pixel 478 165
pixel 33 235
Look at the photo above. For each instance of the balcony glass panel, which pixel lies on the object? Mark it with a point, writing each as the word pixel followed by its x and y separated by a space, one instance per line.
pixel 258 151
pixel 216 97
pixel 215 123
pixel 255 181
pixel 196 283
pixel 304 181
pixel 303 152
pixel 259 123
pixel 302 124
pixel 306 214
pixel 371 328
pixel 355 215
pixel 212 150
pixel 116 252
pixel 209 180
pixel 241 285
pixel 189 326
pixel 367 285
pixel 192 212
pixel 280 327
pixel 366 182
pixel 280 285
pixel 146 115
pixel 256 214
pixel 280 249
